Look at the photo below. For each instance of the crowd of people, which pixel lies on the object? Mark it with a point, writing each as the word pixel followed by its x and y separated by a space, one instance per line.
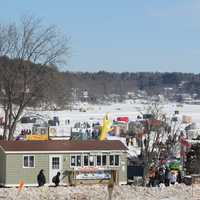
pixel 25 132
pixel 163 175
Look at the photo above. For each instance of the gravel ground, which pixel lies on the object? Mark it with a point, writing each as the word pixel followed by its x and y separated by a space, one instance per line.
pixel 99 192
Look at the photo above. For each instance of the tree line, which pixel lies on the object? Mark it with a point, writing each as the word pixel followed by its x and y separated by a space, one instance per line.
pixel 100 84
pixel 55 88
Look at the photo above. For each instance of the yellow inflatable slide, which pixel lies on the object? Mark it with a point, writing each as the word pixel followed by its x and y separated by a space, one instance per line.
pixel 106 127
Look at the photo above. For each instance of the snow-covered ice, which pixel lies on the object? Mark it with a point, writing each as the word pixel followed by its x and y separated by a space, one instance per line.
pixel 97 112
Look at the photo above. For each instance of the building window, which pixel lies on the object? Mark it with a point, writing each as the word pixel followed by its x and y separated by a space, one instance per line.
pixel 98 160
pixel 55 162
pixel 29 161
pixel 91 160
pixel 104 160
pixel 111 160
pixel 78 160
pixel 73 161
pixel 116 160
pixel 86 160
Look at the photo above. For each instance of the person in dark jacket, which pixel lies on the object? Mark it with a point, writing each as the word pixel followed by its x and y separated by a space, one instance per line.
pixel 161 175
pixel 156 178
pixel 56 179
pixel 151 177
pixel 167 176
pixel 41 178
pixel 179 177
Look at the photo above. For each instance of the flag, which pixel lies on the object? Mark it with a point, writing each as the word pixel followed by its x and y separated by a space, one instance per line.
pixel 21 185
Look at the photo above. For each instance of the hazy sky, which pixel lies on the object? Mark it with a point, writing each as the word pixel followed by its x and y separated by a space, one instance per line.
pixel 121 35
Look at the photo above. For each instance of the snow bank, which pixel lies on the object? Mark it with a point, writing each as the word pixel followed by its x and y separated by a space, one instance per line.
pixel 100 192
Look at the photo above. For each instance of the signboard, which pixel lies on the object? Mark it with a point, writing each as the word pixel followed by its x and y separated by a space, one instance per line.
pixel 93 175
pixel 91 169
pixel 59 131
pixel 174 164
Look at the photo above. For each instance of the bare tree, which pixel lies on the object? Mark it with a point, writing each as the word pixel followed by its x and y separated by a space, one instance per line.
pixel 159 138
pixel 173 133
pixel 153 134
pixel 26 50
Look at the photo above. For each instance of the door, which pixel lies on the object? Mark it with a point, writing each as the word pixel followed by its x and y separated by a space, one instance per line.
pixel 55 166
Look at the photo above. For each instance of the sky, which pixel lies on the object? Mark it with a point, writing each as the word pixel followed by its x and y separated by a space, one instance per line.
pixel 120 35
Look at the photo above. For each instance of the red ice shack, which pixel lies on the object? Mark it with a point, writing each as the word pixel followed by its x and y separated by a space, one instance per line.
pixel 123 119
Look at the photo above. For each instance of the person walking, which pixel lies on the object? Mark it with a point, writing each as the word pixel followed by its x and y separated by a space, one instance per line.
pixel 179 177
pixel 161 175
pixel 156 178
pixel 173 178
pixel 151 175
pixel 56 179
pixel 167 176
pixel 41 178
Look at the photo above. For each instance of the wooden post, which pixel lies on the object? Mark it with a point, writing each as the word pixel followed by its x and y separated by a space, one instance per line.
pixel 192 185
pixel 75 177
pixel 110 189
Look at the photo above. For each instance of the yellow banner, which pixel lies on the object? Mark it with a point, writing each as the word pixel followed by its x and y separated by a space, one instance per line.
pixel 37 137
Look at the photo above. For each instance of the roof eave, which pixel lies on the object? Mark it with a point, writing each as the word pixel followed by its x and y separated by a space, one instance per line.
pixel 73 151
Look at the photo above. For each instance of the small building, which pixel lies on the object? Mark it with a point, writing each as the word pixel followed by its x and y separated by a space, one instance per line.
pixel 119 128
pixel 78 162
pixel 82 131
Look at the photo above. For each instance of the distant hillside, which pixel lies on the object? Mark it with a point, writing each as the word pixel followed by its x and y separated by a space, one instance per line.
pixel 63 87
pixel 104 83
